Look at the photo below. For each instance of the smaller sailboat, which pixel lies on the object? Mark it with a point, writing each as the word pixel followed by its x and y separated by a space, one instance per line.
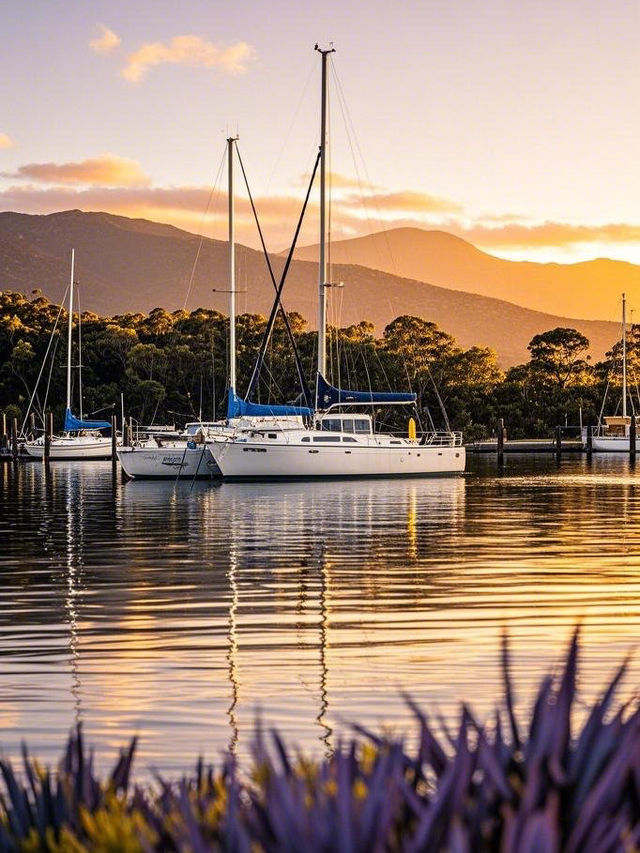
pixel 80 439
pixel 189 456
pixel 613 432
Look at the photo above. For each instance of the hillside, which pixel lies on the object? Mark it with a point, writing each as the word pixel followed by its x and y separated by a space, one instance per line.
pixel 590 290
pixel 126 265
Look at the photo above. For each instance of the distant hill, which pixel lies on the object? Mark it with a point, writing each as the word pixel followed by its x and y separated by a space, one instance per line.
pixel 128 265
pixel 591 290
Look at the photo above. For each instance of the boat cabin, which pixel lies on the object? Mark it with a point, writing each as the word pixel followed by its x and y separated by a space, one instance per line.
pixel 357 424
pixel 617 425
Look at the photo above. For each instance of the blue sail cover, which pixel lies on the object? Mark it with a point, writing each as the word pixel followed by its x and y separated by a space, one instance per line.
pixel 73 424
pixel 238 408
pixel 327 395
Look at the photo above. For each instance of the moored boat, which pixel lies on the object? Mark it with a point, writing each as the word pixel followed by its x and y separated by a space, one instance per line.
pixel 613 432
pixel 80 438
pixel 340 442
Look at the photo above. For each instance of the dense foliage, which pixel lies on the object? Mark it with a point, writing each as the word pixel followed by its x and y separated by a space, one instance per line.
pixel 487 787
pixel 172 366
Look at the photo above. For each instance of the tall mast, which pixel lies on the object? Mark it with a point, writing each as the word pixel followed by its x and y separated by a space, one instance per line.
pixel 322 264
pixel 69 334
pixel 232 269
pixel 624 356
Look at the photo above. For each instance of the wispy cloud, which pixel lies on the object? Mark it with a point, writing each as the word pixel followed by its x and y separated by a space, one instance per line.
pixel 550 234
pixel 407 200
pixel 105 41
pixel 5 141
pixel 191 208
pixel 96 188
pixel 192 51
pixel 108 170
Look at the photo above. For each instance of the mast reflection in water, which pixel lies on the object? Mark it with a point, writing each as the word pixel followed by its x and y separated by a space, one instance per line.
pixel 181 612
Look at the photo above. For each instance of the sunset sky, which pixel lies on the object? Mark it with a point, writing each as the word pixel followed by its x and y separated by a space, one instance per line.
pixel 513 125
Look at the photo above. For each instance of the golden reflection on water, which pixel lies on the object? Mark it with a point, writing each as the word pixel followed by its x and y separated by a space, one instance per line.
pixel 179 612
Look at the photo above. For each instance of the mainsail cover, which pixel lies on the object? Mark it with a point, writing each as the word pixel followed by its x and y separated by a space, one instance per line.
pixel 238 408
pixel 73 424
pixel 327 395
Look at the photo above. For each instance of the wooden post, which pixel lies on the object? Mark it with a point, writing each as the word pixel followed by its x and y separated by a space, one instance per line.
pixel 32 424
pixel 558 441
pixel 589 440
pixel 114 442
pixel 500 431
pixel 5 436
pixel 48 432
pixel 632 440
pixel 14 438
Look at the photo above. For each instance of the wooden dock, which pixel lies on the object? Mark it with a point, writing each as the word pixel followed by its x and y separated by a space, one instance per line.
pixel 526 445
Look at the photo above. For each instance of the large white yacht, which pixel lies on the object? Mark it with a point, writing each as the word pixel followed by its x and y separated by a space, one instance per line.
pixel 338 443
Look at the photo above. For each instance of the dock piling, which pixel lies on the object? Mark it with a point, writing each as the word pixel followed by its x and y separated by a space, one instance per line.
pixel 632 440
pixel 114 442
pixel 14 438
pixel 48 432
pixel 558 442
pixel 500 435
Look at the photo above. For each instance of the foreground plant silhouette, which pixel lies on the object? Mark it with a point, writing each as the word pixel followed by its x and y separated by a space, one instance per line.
pixel 493 787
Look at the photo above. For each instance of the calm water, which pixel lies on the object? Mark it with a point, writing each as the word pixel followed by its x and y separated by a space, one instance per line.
pixel 179 613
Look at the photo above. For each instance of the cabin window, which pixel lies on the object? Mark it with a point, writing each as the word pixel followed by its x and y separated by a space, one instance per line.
pixel 395 442
pixel 326 438
pixel 348 425
pixel 348 438
pixel 272 435
pixel 362 425
pixel 306 438
pixel 331 424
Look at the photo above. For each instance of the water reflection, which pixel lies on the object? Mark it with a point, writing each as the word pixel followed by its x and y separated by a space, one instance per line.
pixel 178 611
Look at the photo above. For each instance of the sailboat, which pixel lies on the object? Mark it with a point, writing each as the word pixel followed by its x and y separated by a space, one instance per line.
pixel 190 456
pixel 339 442
pixel 613 432
pixel 80 439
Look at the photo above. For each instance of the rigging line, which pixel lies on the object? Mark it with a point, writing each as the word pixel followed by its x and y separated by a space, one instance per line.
pixel 51 365
pixel 441 404
pixel 301 374
pixel 214 189
pixel 285 143
pixel 274 309
pixel 44 361
pixel 352 137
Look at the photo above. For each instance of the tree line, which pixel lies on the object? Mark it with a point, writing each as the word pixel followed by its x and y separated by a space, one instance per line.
pixel 173 367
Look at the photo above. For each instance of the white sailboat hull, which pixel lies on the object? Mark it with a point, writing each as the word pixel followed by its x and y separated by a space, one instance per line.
pixel 612 444
pixel 71 448
pixel 253 460
pixel 168 462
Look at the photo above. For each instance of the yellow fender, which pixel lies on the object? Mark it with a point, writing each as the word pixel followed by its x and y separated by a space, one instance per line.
pixel 411 429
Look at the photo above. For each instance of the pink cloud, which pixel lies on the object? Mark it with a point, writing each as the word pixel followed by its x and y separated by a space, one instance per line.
pixel 407 200
pixel 108 170
pixel 106 41
pixel 192 51
pixel 5 141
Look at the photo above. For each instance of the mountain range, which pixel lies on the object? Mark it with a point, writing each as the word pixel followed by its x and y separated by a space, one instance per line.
pixel 134 265
pixel 590 290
